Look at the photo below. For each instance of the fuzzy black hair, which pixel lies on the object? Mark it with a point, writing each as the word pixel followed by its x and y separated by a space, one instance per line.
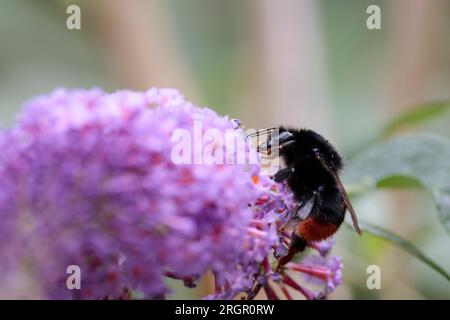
pixel 305 142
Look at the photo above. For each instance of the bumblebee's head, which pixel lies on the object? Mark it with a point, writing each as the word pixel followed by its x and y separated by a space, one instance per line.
pixel 309 143
pixel 293 144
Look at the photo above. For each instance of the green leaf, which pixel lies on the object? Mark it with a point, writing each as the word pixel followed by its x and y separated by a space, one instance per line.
pixel 407 161
pixel 399 181
pixel 403 244
pixel 418 115
pixel 442 198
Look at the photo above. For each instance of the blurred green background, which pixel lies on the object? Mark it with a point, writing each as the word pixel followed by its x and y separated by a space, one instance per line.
pixel 302 63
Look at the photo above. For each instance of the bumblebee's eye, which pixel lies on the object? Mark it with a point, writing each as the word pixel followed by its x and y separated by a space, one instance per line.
pixel 277 141
pixel 280 138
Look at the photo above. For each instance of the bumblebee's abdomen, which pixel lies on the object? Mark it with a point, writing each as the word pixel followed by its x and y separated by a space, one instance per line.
pixel 314 230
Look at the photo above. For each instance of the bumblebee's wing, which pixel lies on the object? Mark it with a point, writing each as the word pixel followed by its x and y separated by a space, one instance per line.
pixel 348 204
pixel 341 188
pixel 306 208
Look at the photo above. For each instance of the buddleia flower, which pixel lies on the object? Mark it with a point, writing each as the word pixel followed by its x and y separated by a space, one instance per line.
pixel 88 178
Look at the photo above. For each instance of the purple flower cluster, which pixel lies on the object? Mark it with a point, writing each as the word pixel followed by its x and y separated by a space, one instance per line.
pixel 277 206
pixel 87 179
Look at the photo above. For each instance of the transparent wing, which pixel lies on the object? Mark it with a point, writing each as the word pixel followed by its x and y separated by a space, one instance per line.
pixel 341 188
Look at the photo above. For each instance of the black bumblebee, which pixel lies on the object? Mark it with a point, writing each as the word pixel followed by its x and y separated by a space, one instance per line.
pixel 312 173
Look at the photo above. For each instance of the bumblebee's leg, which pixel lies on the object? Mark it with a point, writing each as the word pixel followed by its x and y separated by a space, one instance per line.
pixel 298 244
pixel 298 241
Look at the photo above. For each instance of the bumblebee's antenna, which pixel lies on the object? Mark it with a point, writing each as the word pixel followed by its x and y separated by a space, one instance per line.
pixel 260 132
